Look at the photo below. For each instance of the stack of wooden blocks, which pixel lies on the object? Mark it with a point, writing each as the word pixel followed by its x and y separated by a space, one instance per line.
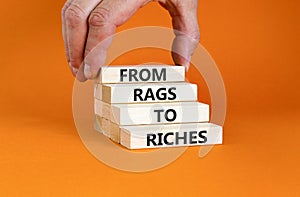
pixel 152 107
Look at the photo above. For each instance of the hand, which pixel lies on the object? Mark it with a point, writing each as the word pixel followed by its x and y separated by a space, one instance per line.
pixel 88 22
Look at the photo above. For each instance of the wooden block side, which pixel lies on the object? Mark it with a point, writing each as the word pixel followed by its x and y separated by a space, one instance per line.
pixel 104 124
pixel 107 111
pixel 115 114
pixel 109 128
pixel 125 138
pixel 106 93
pixel 97 124
pixel 115 132
pixel 98 91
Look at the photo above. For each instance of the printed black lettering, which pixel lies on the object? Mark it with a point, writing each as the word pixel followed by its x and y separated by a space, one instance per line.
pixel 172 93
pixel 177 138
pixel 137 94
pixel 167 117
pixel 148 74
pixel 160 94
pixel 166 139
pixel 193 137
pixel 132 74
pixel 122 74
pixel 158 114
pixel 151 138
pixel 202 135
pixel 162 75
pixel 149 94
pixel 160 143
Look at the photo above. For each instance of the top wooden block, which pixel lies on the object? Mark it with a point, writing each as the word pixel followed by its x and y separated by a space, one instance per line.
pixel 141 74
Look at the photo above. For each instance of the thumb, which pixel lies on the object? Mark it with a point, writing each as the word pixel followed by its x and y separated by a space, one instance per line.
pixel 186 29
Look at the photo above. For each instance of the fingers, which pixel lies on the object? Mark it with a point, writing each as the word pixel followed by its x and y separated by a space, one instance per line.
pixel 64 29
pixel 102 25
pixel 74 16
pixel 88 31
pixel 186 29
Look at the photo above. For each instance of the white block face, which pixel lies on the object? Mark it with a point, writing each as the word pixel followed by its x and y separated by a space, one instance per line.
pixel 97 125
pixel 146 93
pixel 141 74
pixel 153 113
pixel 170 135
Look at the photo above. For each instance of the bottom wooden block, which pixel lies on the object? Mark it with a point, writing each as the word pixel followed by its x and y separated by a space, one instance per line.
pixel 97 125
pixel 108 128
pixel 170 135
pixel 164 135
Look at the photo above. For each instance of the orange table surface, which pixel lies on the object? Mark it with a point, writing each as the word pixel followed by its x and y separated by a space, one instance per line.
pixel 256 47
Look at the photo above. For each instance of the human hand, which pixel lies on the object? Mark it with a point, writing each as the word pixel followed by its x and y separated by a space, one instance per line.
pixel 87 23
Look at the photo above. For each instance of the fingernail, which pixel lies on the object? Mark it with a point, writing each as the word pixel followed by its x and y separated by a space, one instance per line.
pixel 187 68
pixel 87 71
pixel 74 70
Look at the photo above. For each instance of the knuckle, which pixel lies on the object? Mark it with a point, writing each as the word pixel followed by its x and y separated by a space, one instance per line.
pixel 74 15
pixel 75 62
pixel 194 33
pixel 64 8
pixel 99 17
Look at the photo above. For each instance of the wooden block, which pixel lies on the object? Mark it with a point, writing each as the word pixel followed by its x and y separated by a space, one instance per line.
pixel 170 135
pixel 141 74
pixel 153 113
pixel 97 125
pixel 104 110
pixel 151 92
pixel 108 128
pixel 104 125
pixel 114 132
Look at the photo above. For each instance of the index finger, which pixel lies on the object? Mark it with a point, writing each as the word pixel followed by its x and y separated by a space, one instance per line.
pixel 186 29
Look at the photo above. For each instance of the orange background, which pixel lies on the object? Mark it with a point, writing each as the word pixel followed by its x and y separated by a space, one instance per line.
pixel 256 46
